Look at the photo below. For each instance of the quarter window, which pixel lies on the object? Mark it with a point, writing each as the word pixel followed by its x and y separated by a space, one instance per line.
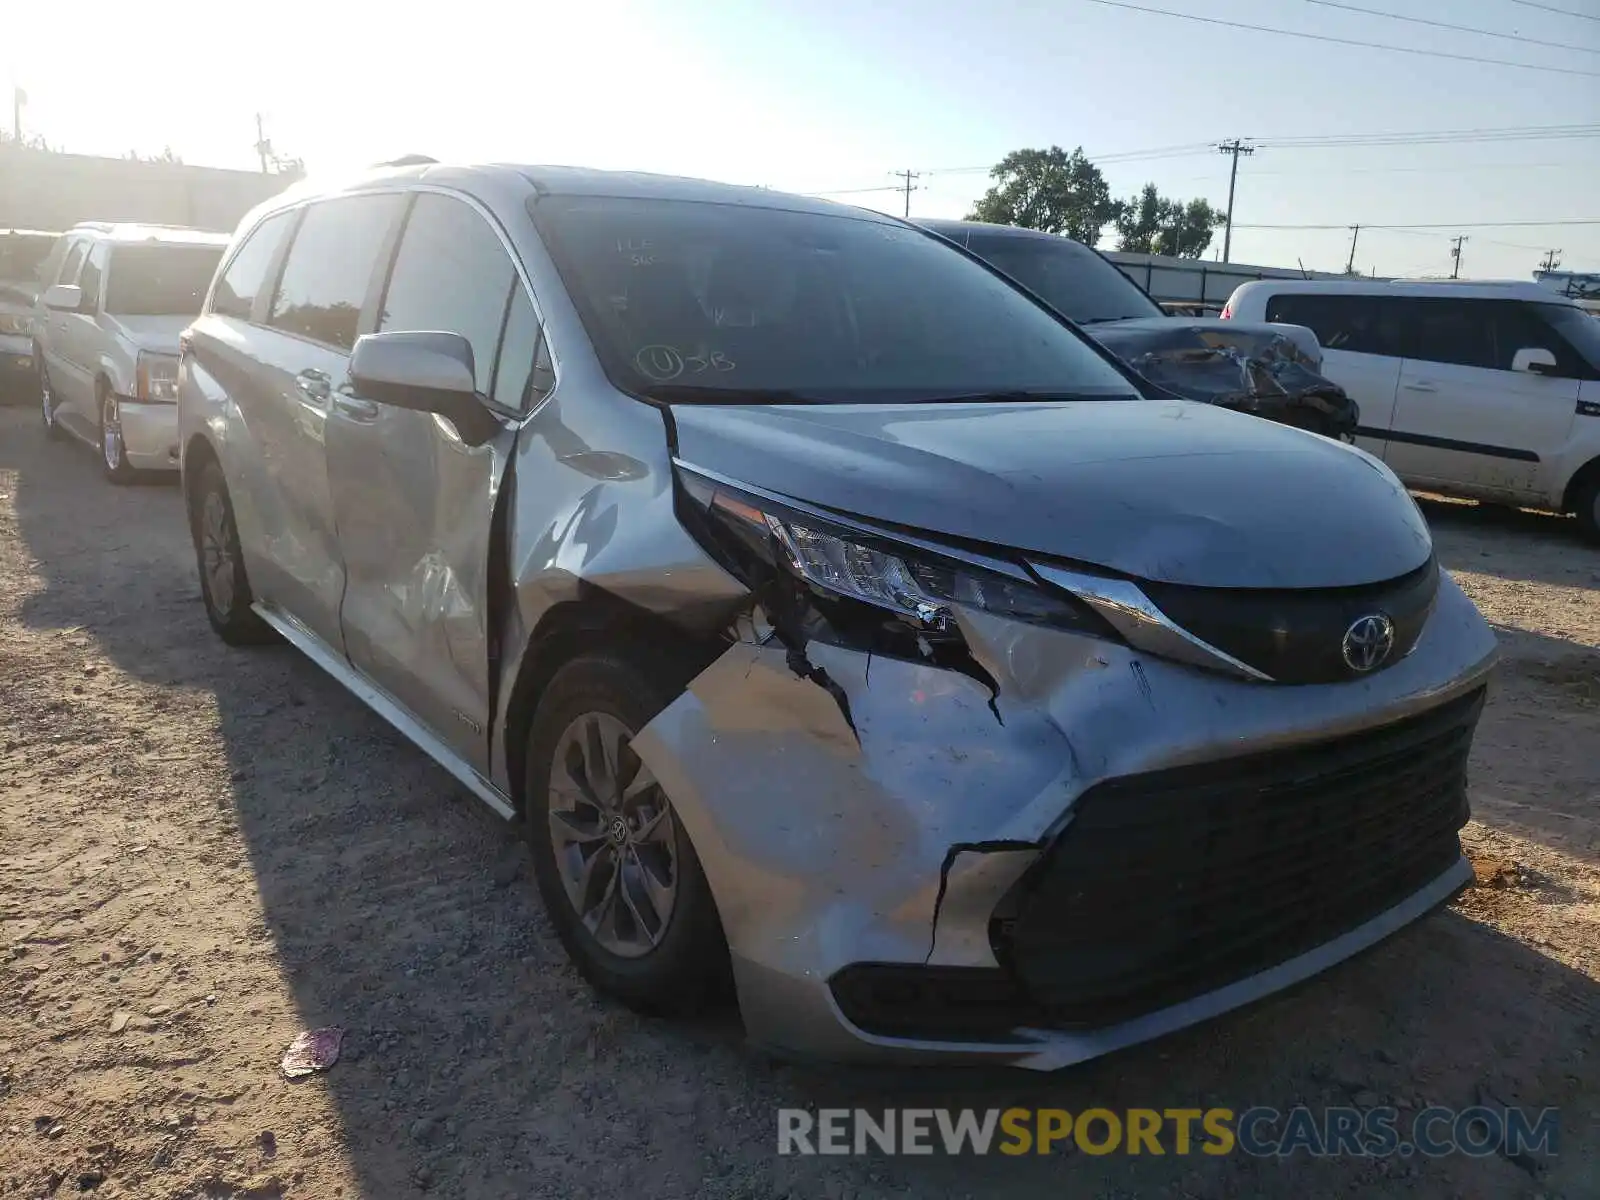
pixel 330 266
pixel 235 293
pixel 452 273
pixel 524 373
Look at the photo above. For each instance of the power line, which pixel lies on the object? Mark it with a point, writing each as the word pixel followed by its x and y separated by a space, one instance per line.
pixel 1321 37
pixel 908 176
pixel 1447 225
pixel 1509 37
pixel 1565 12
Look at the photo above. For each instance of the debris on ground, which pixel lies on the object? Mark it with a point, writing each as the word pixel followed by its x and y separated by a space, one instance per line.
pixel 313 1050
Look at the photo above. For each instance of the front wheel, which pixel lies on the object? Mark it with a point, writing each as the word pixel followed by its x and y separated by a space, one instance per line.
pixel 113 451
pixel 47 404
pixel 1588 509
pixel 618 874
pixel 223 584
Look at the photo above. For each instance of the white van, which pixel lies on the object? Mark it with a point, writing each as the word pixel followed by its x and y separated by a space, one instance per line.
pixel 1484 390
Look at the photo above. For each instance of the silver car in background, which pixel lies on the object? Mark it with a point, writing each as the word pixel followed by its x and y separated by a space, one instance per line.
pixel 836 621
pixel 114 299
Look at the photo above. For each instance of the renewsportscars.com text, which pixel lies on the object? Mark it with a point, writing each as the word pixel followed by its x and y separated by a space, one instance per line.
pixel 1260 1131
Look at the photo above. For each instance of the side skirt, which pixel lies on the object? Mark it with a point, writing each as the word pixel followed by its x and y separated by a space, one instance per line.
pixel 381 703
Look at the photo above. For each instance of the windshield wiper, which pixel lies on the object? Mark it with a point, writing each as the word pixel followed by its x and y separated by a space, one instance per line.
pixel 1018 395
pixel 689 393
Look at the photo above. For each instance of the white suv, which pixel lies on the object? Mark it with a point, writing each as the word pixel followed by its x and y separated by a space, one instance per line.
pixel 1484 390
pixel 105 329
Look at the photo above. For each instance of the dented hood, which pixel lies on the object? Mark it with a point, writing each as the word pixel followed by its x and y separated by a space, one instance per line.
pixel 1269 370
pixel 1159 489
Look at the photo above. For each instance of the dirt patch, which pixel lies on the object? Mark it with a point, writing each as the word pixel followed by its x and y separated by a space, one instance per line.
pixel 205 852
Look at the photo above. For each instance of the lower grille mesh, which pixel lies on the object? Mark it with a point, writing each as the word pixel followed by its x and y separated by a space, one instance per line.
pixel 1170 884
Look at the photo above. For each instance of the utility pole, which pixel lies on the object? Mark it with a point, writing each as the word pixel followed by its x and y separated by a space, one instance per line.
pixel 263 147
pixel 1552 260
pixel 1350 263
pixel 18 99
pixel 908 176
pixel 1455 253
pixel 1235 148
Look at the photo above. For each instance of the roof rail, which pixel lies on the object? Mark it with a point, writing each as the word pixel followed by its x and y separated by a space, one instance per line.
pixel 409 160
pixel 102 226
pixel 110 226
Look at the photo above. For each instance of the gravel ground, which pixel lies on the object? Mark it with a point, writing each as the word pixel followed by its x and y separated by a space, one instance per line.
pixel 204 851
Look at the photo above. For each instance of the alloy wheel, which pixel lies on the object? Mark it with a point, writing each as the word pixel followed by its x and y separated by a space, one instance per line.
pixel 111 434
pixel 216 552
pixel 613 835
pixel 47 402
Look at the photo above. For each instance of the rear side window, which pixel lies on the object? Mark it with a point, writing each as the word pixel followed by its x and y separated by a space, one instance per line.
pixel 246 274
pixel 451 273
pixel 1354 324
pixel 329 268
pixel 1455 332
pixel 1552 327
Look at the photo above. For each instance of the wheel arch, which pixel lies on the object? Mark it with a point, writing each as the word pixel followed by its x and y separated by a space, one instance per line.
pixel 1581 478
pixel 594 621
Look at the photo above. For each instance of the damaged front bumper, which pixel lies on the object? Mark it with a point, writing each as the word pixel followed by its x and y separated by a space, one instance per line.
pixel 912 867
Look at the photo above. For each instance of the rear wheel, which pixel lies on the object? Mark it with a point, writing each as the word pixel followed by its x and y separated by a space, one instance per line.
pixel 223 584
pixel 113 452
pixel 618 874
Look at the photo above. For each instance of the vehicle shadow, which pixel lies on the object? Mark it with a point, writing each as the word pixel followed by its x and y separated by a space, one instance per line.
pixel 1511 543
pixel 478 1065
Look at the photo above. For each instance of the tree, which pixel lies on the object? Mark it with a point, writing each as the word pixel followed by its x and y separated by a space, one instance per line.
pixel 1149 223
pixel 1049 190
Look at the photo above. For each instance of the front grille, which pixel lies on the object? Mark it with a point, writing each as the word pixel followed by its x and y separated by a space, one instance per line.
pixel 1170 884
pixel 1296 635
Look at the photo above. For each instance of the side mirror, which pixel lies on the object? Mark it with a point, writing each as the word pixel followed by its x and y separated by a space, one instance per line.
pixel 425 372
pixel 64 297
pixel 1538 361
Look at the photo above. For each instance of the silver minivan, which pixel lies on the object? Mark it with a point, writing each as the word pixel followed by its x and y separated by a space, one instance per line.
pixel 837 624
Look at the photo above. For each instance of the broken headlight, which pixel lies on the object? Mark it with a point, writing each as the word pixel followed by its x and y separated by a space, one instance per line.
pixel 914 583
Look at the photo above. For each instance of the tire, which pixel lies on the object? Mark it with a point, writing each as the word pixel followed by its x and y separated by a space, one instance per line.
pixel 673 966
pixel 224 587
pixel 1587 509
pixel 113 452
pixel 47 406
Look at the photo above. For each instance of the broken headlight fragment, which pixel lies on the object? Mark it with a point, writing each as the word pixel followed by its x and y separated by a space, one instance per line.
pixel 914 582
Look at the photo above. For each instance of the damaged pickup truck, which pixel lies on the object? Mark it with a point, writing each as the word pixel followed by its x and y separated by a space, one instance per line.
pixel 839 624
pixel 1269 370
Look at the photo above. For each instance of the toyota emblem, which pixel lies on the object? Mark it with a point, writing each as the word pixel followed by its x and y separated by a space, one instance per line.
pixel 1367 642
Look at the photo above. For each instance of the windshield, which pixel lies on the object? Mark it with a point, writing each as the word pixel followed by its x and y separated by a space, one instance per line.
pixel 159 281
pixel 1577 326
pixel 695 301
pixel 1067 275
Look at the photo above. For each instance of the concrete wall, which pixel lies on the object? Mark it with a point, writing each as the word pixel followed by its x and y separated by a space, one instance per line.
pixel 43 190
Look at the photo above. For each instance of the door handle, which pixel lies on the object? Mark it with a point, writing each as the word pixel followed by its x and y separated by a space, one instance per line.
pixel 1421 386
pixel 314 383
pixel 357 408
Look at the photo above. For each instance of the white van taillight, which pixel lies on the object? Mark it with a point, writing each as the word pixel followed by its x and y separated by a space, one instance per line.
pixel 1227 311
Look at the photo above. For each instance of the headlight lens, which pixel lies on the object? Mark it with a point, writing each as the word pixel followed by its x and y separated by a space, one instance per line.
pixel 158 378
pixel 915 584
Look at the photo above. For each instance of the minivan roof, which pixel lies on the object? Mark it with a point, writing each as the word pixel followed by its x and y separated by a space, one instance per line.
pixel 1459 289
pixel 572 181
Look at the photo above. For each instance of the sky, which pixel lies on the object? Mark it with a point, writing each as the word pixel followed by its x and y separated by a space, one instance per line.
pixel 835 95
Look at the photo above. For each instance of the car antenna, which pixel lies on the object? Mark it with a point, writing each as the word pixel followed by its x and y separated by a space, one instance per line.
pixel 1303 272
